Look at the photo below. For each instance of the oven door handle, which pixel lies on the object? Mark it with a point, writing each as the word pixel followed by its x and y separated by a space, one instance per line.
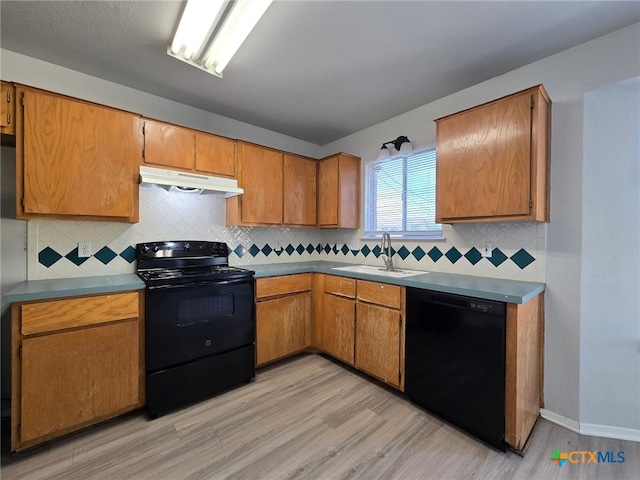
pixel 235 281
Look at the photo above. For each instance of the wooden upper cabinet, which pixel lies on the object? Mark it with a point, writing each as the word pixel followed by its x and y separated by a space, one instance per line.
pixel 76 159
pixel 260 175
pixel 299 190
pixel 215 154
pixel 7 108
pixel 492 161
pixel 168 145
pixel 186 149
pixel 339 191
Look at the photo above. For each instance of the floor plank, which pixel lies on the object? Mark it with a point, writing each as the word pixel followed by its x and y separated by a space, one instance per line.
pixel 306 418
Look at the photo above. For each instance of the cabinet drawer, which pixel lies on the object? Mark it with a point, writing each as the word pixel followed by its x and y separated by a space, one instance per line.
pixel 345 287
pixel 380 293
pixel 77 312
pixel 274 286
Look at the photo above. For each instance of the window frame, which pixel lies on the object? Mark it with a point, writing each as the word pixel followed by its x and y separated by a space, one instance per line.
pixel 434 233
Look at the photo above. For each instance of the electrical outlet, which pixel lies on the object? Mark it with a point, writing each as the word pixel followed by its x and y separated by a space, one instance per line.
pixel 486 249
pixel 278 247
pixel 354 245
pixel 84 249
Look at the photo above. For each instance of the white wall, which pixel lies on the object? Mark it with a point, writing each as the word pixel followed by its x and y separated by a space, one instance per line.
pixel 566 76
pixel 610 313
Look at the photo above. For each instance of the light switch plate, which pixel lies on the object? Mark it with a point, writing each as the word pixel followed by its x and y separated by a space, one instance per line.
pixel 486 249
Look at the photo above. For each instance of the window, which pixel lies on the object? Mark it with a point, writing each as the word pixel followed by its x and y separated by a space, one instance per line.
pixel 400 196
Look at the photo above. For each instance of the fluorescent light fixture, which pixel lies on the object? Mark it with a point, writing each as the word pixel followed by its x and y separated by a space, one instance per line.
pixel 211 31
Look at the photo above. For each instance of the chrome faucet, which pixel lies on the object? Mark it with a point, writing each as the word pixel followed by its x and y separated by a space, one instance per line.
pixel 386 251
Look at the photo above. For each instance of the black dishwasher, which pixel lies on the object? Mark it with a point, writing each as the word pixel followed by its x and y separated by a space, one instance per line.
pixel 455 361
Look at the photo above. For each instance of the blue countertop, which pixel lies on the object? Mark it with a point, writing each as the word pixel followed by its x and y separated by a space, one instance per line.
pixel 510 291
pixel 70 287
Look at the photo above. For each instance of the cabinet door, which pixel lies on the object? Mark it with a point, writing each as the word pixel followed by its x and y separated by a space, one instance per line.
pixel 328 191
pixel 299 190
pixel 338 327
pixel 75 378
pixel 7 108
pixel 484 161
pixel 378 342
pixel 168 145
pixel 216 155
pixel 261 178
pixel 283 326
pixel 78 158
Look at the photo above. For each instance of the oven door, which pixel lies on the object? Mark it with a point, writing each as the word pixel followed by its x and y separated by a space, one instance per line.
pixel 191 321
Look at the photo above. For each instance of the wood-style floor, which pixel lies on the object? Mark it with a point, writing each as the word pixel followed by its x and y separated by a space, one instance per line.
pixel 306 418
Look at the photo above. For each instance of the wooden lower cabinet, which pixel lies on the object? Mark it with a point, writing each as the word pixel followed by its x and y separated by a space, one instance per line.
pixel 283 316
pixel 68 373
pixel 524 369
pixel 378 342
pixel 338 327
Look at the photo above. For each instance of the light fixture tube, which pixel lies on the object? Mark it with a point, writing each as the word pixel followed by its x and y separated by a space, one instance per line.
pixel 195 25
pixel 241 20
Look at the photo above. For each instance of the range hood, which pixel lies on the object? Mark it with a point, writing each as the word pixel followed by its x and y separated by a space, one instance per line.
pixel 188 182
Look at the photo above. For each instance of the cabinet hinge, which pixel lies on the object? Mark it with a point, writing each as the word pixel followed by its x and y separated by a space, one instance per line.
pixel 20 352
pixel 533 102
pixel 399 377
pixel 24 202
pixel 20 430
pixel 8 97
pixel 8 119
pixel 530 203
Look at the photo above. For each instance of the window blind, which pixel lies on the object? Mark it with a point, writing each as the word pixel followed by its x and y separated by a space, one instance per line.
pixel 400 196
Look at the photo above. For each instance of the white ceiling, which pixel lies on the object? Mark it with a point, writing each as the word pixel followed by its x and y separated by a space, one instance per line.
pixel 314 70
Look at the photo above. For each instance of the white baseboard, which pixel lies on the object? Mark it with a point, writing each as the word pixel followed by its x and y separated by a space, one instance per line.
pixel 560 420
pixel 608 431
pixel 592 429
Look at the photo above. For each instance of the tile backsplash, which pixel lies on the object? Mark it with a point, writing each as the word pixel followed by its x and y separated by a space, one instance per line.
pixel 519 248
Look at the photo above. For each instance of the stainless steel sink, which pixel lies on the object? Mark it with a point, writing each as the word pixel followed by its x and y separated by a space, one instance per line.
pixel 373 270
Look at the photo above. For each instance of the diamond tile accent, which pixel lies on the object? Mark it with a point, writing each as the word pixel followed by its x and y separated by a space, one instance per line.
pixel 72 256
pixel 453 255
pixel 290 249
pixel 105 255
pixel 365 250
pixel 327 248
pixel 473 255
pixel 266 250
pixel 319 248
pixel 129 254
pixel 254 250
pixel 522 258
pixel 418 253
pixel 435 254
pixel 240 251
pixel 309 249
pixel 300 249
pixel 344 249
pixel 403 252
pixel 48 256
pixel 497 257
pixel 376 250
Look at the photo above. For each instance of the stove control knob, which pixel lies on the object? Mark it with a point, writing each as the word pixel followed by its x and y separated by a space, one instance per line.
pixel 154 249
pixel 144 249
pixel 187 246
